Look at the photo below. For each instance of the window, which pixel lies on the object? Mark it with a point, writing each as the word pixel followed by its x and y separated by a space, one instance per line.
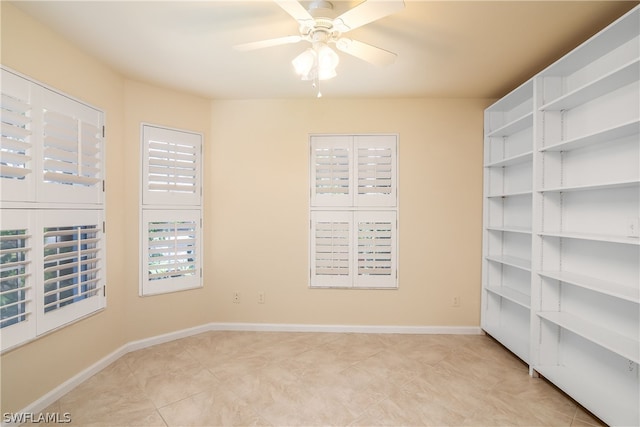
pixel 353 237
pixel 52 263
pixel 171 210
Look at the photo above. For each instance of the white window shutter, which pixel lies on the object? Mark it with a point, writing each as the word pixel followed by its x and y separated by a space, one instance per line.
pixel 16 147
pixel 331 168
pixel 172 251
pixel 171 167
pixel 331 248
pixel 376 170
pixel 17 305
pixel 376 249
pixel 72 151
pixel 72 274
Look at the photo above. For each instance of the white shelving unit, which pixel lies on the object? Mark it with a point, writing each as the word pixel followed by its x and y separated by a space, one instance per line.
pixel 586 250
pixel 508 190
pixel 575 232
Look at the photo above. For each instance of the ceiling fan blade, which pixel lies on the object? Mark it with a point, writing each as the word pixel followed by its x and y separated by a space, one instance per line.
pixel 366 52
pixel 368 11
pixel 295 9
pixel 268 43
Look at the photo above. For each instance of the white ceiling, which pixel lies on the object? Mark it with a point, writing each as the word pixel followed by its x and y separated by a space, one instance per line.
pixel 445 48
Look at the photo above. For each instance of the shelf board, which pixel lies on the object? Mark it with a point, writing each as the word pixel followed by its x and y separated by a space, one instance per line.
pixel 591 236
pixel 516 97
pixel 512 194
pixel 512 295
pixel 515 126
pixel 521 263
pixel 510 229
pixel 609 339
pixel 605 135
pixel 616 79
pixel 513 160
pixel 602 186
pixel 605 287
pixel 587 389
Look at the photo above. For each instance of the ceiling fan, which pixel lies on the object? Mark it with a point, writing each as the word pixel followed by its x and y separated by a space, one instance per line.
pixel 319 26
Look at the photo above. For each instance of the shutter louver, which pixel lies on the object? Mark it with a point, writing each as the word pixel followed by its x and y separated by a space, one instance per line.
pixel 71 265
pixel 332 248
pixel 376 257
pixel 71 151
pixel 172 249
pixel 172 167
pixel 171 161
pixel 15 145
pixel 376 171
pixel 171 253
pixel 15 280
pixel 17 155
pixel 331 170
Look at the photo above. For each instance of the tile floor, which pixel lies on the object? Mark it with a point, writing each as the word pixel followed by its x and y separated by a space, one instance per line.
pixel 296 379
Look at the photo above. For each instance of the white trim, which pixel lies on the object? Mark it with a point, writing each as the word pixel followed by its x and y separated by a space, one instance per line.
pixel 43 402
pixel 359 329
pixel 64 388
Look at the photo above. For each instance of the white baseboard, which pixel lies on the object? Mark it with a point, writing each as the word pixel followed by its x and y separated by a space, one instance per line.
pixel 64 388
pixel 361 329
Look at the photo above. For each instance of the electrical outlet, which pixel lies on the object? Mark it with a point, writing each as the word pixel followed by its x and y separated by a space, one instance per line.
pixel 236 297
pixel 456 301
pixel 261 297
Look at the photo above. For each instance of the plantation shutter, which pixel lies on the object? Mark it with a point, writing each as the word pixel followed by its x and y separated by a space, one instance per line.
pixel 17 307
pixel 376 249
pixel 376 170
pixel 172 251
pixel 16 146
pixel 52 216
pixel 171 167
pixel 331 168
pixel 72 151
pixel 353 210
pixel 72 269
pixel 331 248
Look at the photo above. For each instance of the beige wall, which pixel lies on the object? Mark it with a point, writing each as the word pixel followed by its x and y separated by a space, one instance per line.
pixel 155 315
pixel 256 211
pixel 34 369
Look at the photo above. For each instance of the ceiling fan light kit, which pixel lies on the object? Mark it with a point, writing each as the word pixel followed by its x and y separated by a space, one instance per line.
pixel 318 26
pixel 319 63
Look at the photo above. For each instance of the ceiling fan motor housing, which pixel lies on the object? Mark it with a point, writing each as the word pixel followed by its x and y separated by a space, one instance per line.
pixel 322 29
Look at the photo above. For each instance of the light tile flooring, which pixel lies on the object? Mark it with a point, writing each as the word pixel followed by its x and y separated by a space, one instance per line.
pixel 296 379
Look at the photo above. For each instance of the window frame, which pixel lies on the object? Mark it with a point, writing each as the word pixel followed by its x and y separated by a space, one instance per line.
pixel 352 206
pixel 33 203
pixel 168 206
